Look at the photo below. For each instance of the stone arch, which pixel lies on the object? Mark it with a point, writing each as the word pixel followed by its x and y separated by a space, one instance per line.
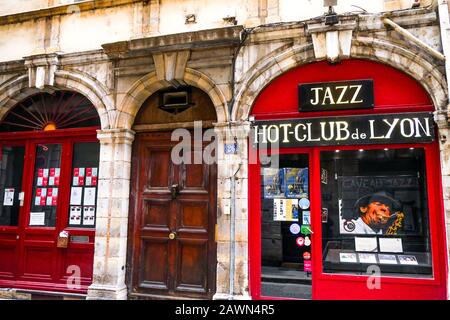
pixel 383 51
pixel 17 89
pixel 149 84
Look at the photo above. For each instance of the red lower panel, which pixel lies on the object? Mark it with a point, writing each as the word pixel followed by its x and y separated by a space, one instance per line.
pixel 38 263
pixel 7 260
pixel 352 290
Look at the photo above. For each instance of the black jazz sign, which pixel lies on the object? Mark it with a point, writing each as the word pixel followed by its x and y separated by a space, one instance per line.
pixel 340 95
pixel 371 129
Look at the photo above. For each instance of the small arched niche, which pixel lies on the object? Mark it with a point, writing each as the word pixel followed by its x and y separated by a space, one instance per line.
pixel 168 108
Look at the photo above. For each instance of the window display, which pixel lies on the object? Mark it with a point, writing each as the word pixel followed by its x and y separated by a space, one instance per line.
pixel 46 183
pixel 286 246
pixel 10 184
pixel 83 191
pixel 377 212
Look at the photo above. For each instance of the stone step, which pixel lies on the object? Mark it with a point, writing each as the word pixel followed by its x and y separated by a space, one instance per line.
pixel 12 294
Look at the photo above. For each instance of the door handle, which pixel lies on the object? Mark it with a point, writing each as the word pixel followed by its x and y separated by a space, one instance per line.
pixel 172 235
pixel 174 191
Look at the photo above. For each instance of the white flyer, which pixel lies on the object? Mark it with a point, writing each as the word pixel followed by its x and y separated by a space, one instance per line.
pixel 88 216
pixel 40 181
pixel 347 257
pixel 57 172
pixel 51 181
pixel 94 172
pixel 279 213
pixel 387 259
pixel 367 258
pixel 89 181
pixel 75 195
pixel 391 245
pixel 9 197
pixel 37 218
pixel 75 215
pixel 366 244
pixel 89 197
pixel 46 171
pixel 408 260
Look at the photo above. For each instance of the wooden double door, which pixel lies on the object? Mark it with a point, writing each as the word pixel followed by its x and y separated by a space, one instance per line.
pixel 35 186
pixel 172 229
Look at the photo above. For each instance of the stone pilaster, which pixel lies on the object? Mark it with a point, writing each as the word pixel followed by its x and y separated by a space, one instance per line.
pixel 233 207
pixel 112 215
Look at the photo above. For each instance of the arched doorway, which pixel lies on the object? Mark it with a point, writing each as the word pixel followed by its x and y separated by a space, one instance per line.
pixel 49 157
pixel 353 209
pixel 172 249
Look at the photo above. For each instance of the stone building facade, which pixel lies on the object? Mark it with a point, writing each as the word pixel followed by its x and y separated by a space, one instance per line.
pixel 119 53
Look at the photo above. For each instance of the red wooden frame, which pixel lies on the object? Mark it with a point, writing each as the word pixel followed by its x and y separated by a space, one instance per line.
pixel 80 254
pixel 395 92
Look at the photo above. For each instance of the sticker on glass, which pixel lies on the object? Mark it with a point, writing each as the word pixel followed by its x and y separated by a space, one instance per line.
pixel 294 228
pixel 303 203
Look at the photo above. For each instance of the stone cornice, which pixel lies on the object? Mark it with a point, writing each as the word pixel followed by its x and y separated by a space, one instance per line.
pixel 62 10
pixel 360 22
pixel 209 38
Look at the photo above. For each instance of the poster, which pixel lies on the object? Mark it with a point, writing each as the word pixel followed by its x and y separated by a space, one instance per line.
pixel 75 195
pixel 284 209
pixel 366 244
pixel 271 182
pixel 8 199
pixel 294 182
pixel 75 215
pixel 383 205
pixel 37 218
pixel 89 197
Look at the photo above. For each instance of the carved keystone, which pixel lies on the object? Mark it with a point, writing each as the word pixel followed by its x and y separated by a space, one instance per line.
pixel 41 69
pixel 332 42
pixel 171 66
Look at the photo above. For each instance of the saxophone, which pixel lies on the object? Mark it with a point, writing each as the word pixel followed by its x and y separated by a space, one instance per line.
pixel 397 224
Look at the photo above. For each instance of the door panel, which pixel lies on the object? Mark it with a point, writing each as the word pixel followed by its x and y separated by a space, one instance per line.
pixel 155 272
pixel 174 213
pixel 38 261
pixel 7 258
pixel 155 215
pixel 194 215
pixel 192 263
pixel 158 169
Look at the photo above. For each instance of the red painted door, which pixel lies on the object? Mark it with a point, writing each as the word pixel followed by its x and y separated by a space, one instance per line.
pixel 40 171
pixel 12 164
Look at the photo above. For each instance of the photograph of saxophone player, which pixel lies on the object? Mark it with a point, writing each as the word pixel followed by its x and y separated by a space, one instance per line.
pixel 377 213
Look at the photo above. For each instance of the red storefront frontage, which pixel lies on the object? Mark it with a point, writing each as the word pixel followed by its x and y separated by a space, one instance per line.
pixel 349 206
pixel 49 157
